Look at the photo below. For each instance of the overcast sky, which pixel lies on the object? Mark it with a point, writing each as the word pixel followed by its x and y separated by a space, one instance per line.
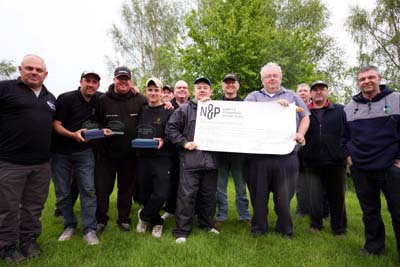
pixel 71 35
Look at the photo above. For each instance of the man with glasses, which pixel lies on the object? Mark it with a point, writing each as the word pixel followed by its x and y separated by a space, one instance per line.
pixel 275 173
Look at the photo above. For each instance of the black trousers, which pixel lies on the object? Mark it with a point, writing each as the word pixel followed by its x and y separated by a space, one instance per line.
pixel 368 187
pixel 23 192
pixel 154 178
pixel 170 204
pixel 329 180
pixel 196 195
pixel 276 174
pixel 107 170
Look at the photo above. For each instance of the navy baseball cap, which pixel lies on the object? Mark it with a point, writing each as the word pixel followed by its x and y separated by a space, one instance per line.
pixel 202 79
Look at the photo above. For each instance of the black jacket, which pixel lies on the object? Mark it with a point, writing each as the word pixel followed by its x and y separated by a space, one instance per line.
pixel 119 113
pixel 180 130
pixel 323 138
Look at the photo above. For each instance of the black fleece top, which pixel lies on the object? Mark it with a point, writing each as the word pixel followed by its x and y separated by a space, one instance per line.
pixel 119 113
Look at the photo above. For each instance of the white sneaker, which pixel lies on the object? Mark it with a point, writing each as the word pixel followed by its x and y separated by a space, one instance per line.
pixel 141 225
pixel 67 234
pixel 167 215
pixel 213 231
pixel 180 240
pixel 91 238
pixel 157 231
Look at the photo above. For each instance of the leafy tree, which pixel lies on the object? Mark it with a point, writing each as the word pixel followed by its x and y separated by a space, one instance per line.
pixel 148 40
pixel 377 34
pixel 7 69
pixel 241 36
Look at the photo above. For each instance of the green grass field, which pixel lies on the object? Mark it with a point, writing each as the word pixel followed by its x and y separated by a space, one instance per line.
pixel 233 247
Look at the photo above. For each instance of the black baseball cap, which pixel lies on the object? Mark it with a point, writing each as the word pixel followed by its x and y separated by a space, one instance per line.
pixel 122 71
pixel 168 87
pixel 230 76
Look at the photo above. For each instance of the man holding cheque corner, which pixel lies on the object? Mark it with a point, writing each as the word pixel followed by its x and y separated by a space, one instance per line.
pixel 275 173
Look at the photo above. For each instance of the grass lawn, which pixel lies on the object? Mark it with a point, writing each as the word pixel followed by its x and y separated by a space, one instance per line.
pixel 233 247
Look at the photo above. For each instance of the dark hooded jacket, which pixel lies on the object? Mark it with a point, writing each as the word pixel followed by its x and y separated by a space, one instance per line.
pixel 119 113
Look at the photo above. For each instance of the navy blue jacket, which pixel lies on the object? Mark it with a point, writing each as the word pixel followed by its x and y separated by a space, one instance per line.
pixel 323 138
pixel 180 130
pixel 372 136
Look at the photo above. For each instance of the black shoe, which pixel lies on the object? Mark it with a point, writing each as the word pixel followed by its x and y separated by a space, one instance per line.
pixel 100 228
pixel 11 254
pixel 365 252
pixel 126 227
pixel 30 248
pixel 257 233
pixel 57 213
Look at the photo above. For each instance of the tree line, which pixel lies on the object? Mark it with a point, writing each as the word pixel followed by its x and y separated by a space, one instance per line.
pixel 177 39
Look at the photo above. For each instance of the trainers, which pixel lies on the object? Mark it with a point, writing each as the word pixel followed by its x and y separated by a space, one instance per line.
pixel 126 227
pixel 141 225
pixel 11 254
pixel 67 234
pixel 157 231
pixel 213 231
pixel 91 238
pixel 30 248
pixel 180 240
pixel 100 228
pixel 167 215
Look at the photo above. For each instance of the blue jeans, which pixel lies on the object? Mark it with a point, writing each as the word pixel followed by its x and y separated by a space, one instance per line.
pixel 82 165
pixel 235 164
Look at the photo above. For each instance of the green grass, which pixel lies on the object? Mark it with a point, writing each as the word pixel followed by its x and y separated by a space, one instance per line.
pixel 233 247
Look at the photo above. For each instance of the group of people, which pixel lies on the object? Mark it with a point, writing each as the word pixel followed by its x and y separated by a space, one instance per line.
pixel 42 137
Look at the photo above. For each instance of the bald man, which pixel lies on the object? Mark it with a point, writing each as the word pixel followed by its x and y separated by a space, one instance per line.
pixel 27 110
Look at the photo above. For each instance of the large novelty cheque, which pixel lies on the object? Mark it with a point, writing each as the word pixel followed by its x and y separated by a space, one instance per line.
pixel 245 127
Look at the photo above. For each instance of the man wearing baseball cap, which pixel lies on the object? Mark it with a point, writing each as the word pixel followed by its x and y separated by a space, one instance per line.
pixel 231 162
pixel 118 110
pixel 153 164
pixel 198 175
pixel 71 153
pixel 167 93
pixel 324 160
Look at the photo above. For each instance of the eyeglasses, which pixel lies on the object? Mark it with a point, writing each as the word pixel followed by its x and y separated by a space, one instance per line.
pixel 269 76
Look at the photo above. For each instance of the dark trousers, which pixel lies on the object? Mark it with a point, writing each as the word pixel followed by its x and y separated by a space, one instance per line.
pixel 276 174
pixel 196 195
pixel 329 180
pixel 107 170
pixel 170 204
pixel 368 186
pixel 154 177
pixel 302 194
pixel 23 192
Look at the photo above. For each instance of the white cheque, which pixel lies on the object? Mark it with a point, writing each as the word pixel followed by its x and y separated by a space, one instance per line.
pixel 245 127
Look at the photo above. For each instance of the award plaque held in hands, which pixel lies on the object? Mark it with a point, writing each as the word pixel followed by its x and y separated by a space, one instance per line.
pixel 145 137
pixel 144 143
pixel 93 134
